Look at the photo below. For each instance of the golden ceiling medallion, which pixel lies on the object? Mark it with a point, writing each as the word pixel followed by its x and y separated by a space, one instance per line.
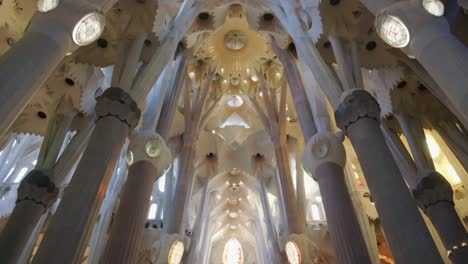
pixel 234 47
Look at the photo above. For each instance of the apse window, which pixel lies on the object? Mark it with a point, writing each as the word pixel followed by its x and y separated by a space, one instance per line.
pixel 233 253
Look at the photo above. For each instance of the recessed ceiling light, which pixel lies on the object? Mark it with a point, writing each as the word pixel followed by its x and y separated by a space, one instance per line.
pixel 394 32
pixel 88 29
pixel 434 7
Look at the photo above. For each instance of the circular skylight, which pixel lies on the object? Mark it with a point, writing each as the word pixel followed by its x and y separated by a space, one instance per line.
pixel 88 29
pixel 394 32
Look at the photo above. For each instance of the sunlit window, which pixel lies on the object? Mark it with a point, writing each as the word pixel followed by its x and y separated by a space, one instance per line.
pixel 234 120
pixel 20 175
pixel 162 183
pixel 315 212
pixel 152 211
pixel 433 146
pixel 233 253
pixel 9 174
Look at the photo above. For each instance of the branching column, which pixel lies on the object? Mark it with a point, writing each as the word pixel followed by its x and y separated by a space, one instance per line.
pixel 274 123
pixel 65 240
pixel 409 239
pixel 183 190
pixel 455 140
pixel 126 232
pixel 325 157
pixel 28 64
pixel 434 193
pixel 443 56
pixel 39 189
pixel 35 196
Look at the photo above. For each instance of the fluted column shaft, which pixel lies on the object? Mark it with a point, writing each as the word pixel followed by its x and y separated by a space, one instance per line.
pixel 452 232
pixel 151 157
pixel 409 239
pixel 68 232
pixel 124 239
pixel 434 193
pixel 342 221
pixel 35 195
pixel 325 156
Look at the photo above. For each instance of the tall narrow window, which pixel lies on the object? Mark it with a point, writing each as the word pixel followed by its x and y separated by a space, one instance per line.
pixel 162 183
pixel 315 212
pixel 152 211
pixel 233 253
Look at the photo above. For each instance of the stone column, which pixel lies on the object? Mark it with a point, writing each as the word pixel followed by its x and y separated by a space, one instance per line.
pixel 434 193
pixel 455 140
pixel 66 238
pixel 124 240
pixel 28 64
pixel 443 56
pixel 325 156
pixel 182 189
pixel 414 133
pixel 36 194
pixel 435 197
pixel 286 187
pixel 410 241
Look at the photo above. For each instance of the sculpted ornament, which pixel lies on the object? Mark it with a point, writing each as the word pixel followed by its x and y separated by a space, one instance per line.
pixel 322 148
pixel 149 146
pixel 433 189
pixel 356 104
pixel 119 104
pixel 38 188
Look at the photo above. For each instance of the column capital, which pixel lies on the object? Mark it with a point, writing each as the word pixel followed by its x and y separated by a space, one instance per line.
pixel 117 103
pixel 355 105
pixel 38 188
pixel 433 189
pixel 324 147
pixel 151 147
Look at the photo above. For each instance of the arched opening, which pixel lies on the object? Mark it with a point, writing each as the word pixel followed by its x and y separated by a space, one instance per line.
pixel 233 253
